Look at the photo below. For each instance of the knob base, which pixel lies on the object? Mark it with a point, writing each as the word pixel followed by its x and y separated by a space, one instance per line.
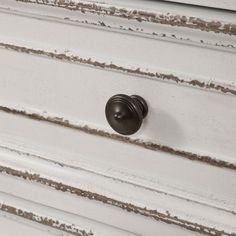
pixel 142 103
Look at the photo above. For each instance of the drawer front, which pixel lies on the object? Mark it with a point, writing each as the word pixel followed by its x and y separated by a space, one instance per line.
pixel 184 119
pixel 76 199
pixel 191 101
pixel 58 70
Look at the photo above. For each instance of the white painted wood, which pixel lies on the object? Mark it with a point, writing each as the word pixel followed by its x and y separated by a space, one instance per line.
pixel 111 188
pixel 207 139
pixel 31 202
pixel 203 123
pixel 164 56
pixel 12 226
pixel 157 171
pixel 145 29
pixel 64 65
pixel 99 212
pixel 156 6
pixel 222 4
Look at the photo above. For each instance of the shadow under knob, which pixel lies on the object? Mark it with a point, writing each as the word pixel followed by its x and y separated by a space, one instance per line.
pixel 125 113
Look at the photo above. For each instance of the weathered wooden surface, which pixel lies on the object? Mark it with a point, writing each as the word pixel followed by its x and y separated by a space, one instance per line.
pixel 155 171
pixel 83 187
pixel 11 226
pixel 24 210
pixel 183 119
pixel 224 4
pixel 132 11
pixel 61 61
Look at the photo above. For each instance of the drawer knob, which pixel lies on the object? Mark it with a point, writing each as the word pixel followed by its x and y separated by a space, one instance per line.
pixel 125 113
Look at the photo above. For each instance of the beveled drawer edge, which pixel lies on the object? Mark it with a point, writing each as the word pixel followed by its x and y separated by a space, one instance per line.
pixel 44 220
pixel 193 82
pixel 62 121
pixel 16 208
pixel 105 22
pixel 165 216
pixel 93 196
pixel 167 19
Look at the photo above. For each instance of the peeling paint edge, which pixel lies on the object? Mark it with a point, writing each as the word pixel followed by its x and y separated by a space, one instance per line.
pixel 53 223
pixel 148 145
pixel 138 72
pixel 166 218
pixel 120 180
pixel 139 31
pixel 139 15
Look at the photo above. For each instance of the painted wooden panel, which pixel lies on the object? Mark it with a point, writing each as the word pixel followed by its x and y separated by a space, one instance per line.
pixel 97 197
pixel 165 56
pixel 25 210
pixel 12 226
pixel 60 162
pixel 222 4
pixel 196 124
pixel 158 171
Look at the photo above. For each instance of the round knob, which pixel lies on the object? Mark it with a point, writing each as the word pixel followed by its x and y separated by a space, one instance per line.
pixel 125 113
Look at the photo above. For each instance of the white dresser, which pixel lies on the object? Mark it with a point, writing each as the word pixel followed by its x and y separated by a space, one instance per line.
pixel 79 155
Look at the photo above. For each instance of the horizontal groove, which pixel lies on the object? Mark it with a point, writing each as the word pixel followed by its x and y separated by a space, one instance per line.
pixel 54 223
pixel 117 179
pixel 144 144
pixel 166 218
pixel 138 72
pixel 139 15
pixel 130 28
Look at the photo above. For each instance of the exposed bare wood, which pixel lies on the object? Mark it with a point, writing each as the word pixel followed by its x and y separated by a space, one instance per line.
pixel 167 19
pixel 44 220
pixel 166 173
pixel 144 29
pixel 148 145
pixel 167 218
pixel 226 4
pixel 137 71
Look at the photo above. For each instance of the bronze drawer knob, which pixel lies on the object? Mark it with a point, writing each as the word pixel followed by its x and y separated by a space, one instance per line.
pixel 125 113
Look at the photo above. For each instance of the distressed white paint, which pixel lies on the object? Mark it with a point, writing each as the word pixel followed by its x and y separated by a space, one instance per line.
pixel 149 169
pixel 148 54
pixel 192 120
pixel 222 4
pixel 12 226
pixel 29 198
pixel 157 6
pixel 133 27
pixel 109 187
pixel 182 117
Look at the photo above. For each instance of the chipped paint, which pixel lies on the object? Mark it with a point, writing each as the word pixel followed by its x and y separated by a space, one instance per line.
pixel 148 145
pixel 139 15
pixel 153 34
pixel 138 72
pixel 45 220
pixel 139 30
pixel 154 214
